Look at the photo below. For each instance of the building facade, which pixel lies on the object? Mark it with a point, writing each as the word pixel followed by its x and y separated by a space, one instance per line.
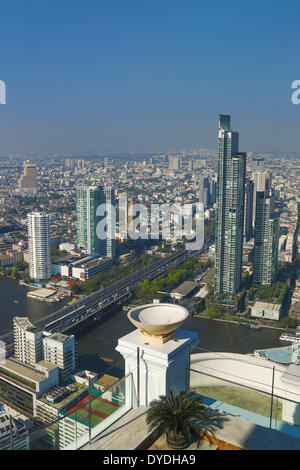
pixel 60 349
pixel 108 245
pixel 32 345
pixel 28 180
pixel 248 209
pixel 13 433
pixel 262 182
pixel 88 200
pixel 28 341
pixel 230 210
pixel 266 240
pixel 39 246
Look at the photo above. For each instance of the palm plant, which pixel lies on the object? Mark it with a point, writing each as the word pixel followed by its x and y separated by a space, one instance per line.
pixel 179 416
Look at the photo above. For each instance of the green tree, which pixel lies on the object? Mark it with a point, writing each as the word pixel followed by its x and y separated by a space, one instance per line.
pixel 200 307
pixel 76 289
pixel 15 273
pixel 214 311
pixel 288 322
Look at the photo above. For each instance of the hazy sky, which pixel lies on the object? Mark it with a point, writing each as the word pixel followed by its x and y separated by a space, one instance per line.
pixel 147 75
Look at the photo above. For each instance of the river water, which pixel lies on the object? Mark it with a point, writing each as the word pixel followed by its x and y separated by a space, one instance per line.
pixel 14 302
pixel 96 346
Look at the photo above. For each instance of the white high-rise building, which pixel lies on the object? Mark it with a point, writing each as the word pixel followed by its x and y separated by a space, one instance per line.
pixel 60 349
pixel 33 345
pixel 39 246
pixel 28 341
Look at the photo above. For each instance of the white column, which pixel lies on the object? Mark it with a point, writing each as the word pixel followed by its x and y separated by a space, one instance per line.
pixel 162 366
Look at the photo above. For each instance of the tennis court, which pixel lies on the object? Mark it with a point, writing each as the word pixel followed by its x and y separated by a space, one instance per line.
pixel 100 409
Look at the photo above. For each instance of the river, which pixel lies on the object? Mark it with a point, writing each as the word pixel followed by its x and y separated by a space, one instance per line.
pixel 96 346
pixel 14 302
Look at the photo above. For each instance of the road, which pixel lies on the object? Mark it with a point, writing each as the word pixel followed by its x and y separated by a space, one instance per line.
pixel 63 318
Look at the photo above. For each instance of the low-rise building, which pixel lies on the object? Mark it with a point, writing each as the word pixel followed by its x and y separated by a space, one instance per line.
pixel 184 289
pixel 21 385
pixel 87 268
pixel 11 257
pixel 81 268
pixel 269 310
pixel 58 399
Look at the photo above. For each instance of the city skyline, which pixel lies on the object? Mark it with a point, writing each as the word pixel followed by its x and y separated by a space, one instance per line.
pixel 149 227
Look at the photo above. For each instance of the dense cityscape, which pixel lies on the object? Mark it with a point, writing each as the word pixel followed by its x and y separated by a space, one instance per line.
pixel 149 229
pixel 247 270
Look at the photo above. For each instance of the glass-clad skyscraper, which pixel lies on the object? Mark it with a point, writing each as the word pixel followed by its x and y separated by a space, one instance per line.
pixel 266 240
pixel 230 210
pixel 88 201
pixel 248 209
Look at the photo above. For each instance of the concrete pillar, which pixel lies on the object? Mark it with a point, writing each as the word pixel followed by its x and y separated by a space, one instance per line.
pixel 162 366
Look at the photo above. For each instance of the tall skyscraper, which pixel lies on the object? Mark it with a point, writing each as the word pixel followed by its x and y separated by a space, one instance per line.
pixel 68 162
pixel 28 180
pixel 213 189
pixel 39 245
pixel 230 210
pixel 266 240
pixel 262 182
pixel 88 199
pixel 204 191
pixel 248 209
pixel 191 165
pixel 108 246
pixel 174 163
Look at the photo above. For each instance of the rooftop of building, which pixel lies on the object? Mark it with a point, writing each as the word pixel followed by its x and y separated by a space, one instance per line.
pixel 296 308
pixel 185 288
pixel 42 293
pixel 91 263
pixel 25 323
pixel 78 389
pixel 35 373
pixel 106 380
pixel 229 433
pixel 267 305
pixel 285 355
pixel 60 337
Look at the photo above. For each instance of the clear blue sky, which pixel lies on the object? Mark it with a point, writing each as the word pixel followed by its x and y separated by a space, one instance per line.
pixel 147 75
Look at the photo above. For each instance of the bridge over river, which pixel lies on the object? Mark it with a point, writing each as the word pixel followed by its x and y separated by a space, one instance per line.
pixel 70 316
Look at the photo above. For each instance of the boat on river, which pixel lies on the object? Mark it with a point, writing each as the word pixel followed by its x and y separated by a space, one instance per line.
pixel 255 326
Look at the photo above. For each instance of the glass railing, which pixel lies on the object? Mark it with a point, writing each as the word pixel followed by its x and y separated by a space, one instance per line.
pixel 264 402
pixel 83 423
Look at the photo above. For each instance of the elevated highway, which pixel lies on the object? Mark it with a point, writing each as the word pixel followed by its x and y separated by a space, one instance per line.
pixel 70 316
